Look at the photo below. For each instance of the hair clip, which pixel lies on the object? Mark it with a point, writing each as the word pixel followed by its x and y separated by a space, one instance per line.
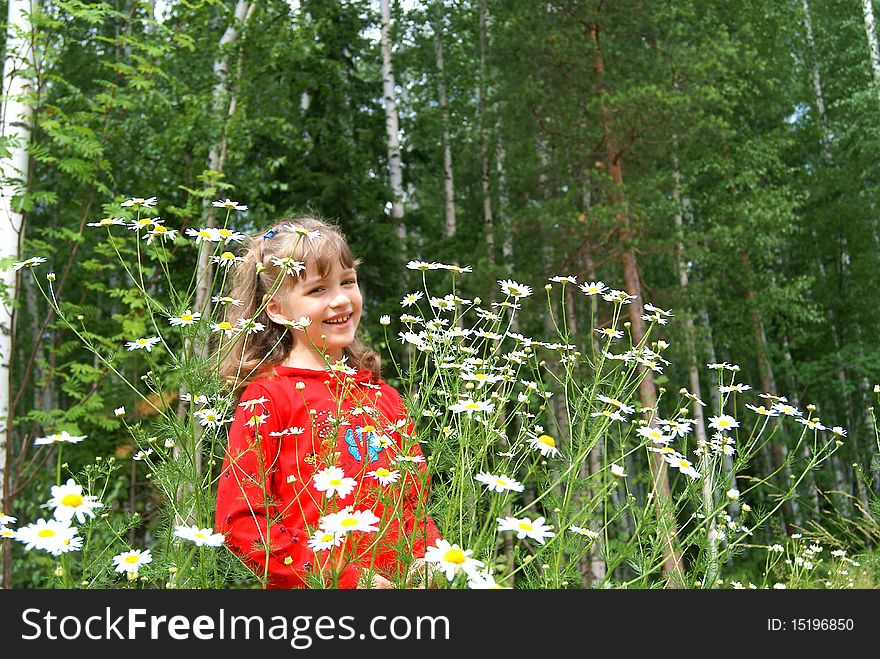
pixel 269 234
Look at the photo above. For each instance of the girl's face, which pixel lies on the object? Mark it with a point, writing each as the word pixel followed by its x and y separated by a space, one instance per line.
pixel 332 303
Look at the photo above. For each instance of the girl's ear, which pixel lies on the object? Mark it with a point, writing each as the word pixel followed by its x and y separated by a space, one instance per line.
pixel 273 310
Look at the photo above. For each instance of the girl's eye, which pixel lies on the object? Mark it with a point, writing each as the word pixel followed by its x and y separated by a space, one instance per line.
pixel 316 290
pixel 348 282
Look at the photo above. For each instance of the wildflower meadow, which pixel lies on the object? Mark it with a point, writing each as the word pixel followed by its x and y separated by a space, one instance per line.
pixel 546 468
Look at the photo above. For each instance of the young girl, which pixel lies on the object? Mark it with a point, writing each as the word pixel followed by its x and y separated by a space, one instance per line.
pixel 322 483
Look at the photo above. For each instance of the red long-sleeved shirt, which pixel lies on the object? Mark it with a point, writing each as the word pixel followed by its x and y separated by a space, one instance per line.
pixel 300 421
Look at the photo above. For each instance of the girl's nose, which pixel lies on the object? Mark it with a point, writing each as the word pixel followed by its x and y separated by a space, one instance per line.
pixel 341 299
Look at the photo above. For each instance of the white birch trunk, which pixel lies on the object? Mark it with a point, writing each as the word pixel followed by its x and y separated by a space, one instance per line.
pixel 449 226
pixel 15 132
pixel 824 133
pixel 706 459
pixel 873 46
pixel 503 197
pixel 392 126
pixel 488 219
pixel 224 106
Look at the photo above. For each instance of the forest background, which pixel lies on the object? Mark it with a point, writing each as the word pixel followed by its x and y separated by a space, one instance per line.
pixel 713 158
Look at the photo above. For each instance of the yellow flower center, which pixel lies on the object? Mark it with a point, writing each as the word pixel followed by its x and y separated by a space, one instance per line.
pixel 225 325
pixel 227 256
pixel 131 559
pixel 472 406
pixel 225 232
pixel 369 428
pixel 454 555
pixel 335 482
pixel 200 536
pixel 186 317
pixel 348 521
pixel 159 229
pixel 327 537
pixel 46 533
pixel 525 526
pixel 72 500
pixel 381 471
pixel 500 481
pixel 547 440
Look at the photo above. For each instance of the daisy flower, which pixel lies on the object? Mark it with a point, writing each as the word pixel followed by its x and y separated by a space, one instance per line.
pixel 500 483
pixel 609 332
pixel 469 406
pixel 348 520
pixel 289 266
pixel 256 420
pixel 225 299
pixel 422 265
pixel 302 231
pixel 485 581
pixel 409 458
pixel 200 536
pixel 6 520
pixel 587 533
pixel 231 205
pixel 513 289
pixel 52 536
pixel 249 405
pixel 626 409
pixel 225 327
pixel 108 222
pixel 654 434
pixel 142 455
pixel 59 438
pixel 526 528
pixel 617 471
pixel 787 409
pixel 30 263
pixel 209 417
pixel 333 480
pixel 543 443
pixel 131 561
pixel 188 317
pixel 139 201
pixel 739 388
pixel 723 422
pixel 226 259
pixel 385 476
pixel 411 299
pixel 158 231
pixel 209 234
pixel 142 223
pixel 593 288
pixel 147 344
pixel 618 296
pixel 250 326
pixel 684 466
pixel 323 539
pixel 760 409
pixel 68 501
pixel 452 559
pixel 228 234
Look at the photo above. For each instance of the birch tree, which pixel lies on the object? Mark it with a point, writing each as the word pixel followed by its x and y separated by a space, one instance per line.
pixel 392 125
pixel 15 132
pixel 873 45
pixel 449 225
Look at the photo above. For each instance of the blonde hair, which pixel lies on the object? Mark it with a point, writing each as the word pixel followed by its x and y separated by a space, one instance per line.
pixel 258 277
